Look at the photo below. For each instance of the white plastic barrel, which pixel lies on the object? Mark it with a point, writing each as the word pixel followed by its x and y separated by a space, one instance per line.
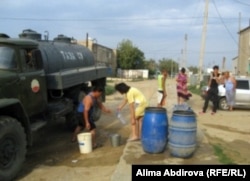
pixel 85 142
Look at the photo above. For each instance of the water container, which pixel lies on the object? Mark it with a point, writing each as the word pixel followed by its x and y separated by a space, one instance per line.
pixel 120 117
pixel 182 133
pixel 115 140
pixel 154 130
pixel 85 142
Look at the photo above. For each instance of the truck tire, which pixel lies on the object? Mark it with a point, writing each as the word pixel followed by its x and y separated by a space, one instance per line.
pixel 12 147
pixel 97 112
pixel 223 104
pixel 71 121
pixel 71 118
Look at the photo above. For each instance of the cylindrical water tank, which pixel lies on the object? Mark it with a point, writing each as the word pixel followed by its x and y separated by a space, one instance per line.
pixel 60 54
pixel 182 133
pixel 154 130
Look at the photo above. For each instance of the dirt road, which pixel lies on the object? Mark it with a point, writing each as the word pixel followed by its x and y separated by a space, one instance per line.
pixel 54 158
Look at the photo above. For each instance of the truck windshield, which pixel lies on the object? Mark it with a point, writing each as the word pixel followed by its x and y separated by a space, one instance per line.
pixel 7 58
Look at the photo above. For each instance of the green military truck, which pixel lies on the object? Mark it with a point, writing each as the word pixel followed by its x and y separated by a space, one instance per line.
pixel 40 81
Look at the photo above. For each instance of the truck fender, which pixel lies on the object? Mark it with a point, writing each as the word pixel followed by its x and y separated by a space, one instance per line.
pixel 13 108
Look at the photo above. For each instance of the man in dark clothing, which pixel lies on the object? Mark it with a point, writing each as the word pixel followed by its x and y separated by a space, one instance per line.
pixel 212 93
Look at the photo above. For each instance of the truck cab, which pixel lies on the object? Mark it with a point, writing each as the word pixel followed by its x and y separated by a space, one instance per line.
pixel 22 95
pixel 22 75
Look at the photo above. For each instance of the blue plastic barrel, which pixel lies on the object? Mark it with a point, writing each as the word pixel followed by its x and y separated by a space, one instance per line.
pixel 182 133
pixel 154 130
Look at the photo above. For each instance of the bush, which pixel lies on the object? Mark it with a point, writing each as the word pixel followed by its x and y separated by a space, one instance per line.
pixel 109 89
pixel 194 89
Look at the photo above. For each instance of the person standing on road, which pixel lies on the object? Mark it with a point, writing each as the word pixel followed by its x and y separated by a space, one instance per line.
pixel 86 111
pixel 230 86
pixel 212 93
pixel 137 104
pixel 162 93
pixel 182 91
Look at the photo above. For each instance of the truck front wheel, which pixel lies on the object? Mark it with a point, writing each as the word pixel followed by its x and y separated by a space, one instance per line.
pixel 12 147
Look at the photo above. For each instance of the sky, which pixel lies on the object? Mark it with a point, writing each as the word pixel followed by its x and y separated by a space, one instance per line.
pixel 171 29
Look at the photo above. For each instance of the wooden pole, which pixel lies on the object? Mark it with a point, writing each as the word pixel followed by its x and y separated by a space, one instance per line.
pixel 203 40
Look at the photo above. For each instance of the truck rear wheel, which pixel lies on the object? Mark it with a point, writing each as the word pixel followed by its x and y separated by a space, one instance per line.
pixel 97 113
pixel 71 121
pixel 12 147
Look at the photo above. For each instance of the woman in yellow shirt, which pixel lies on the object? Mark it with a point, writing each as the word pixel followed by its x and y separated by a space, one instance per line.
pixel 137 104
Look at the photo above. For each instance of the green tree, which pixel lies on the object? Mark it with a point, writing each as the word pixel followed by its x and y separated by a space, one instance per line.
pixel 151 65
pixel 193 69
pixel 170 65
pixel 129 56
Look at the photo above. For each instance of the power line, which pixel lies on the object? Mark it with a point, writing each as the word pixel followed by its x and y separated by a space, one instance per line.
pixel 224 22
pixel 240 2
pixel 108 19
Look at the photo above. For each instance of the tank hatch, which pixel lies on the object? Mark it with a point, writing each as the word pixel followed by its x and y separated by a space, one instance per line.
pixel 2 35
pixel 62 38
pixel 30 34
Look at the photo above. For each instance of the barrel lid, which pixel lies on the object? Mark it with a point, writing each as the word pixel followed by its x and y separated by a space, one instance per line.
pixel 155 109
pixel 184 112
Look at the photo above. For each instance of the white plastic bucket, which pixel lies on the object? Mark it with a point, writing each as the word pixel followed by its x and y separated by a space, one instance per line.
pixel 85 142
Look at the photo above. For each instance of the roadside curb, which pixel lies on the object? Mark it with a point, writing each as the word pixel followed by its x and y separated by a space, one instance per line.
pixel 133 154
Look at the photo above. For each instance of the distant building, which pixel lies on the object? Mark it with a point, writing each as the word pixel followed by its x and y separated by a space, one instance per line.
pixel 243 62
pixel 209 70
pixel 130 74
pixel 102 54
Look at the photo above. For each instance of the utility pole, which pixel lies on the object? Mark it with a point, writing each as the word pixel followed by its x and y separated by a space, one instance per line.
pixel 178 65
pixel 223 64
pixel 185 52
pixel 238 59
pixel 203 40
pixel 182 58
pixel 87 40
